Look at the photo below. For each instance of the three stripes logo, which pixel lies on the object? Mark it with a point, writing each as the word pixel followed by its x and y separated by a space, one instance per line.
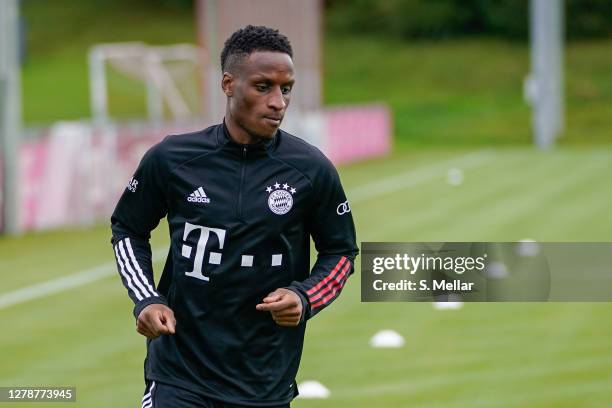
pixel 198 196
pixel 131 272
pixel 330 287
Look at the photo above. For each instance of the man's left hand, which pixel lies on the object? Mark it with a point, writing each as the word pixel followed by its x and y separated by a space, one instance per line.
pixel 284 305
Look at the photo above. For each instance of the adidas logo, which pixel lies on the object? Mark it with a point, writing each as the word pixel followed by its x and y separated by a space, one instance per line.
pixel 198 196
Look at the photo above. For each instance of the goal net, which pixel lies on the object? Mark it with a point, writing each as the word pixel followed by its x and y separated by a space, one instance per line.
pixel 132 80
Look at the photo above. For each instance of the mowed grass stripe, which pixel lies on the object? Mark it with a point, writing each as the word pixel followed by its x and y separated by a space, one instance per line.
pixel 541 191
pixel 419 214
pixel 532 375
pixel 391 184
pixel 536 186
pixel 590 218
pixel 82 339
pixel 459 218
pixel 506 395
pixel 583 213
pixel 64 283
pixel 357 174
pixel 422 213
pixel 444 374
pixel 41 256
pixel 465 332
pixel 493 337
pixel 384 190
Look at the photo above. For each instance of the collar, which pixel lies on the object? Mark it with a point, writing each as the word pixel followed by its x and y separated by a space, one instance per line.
pixel 260 148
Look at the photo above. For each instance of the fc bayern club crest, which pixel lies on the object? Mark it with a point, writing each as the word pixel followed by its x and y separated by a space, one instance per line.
pixel 280 199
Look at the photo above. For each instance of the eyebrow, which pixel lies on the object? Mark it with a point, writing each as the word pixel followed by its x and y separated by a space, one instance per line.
pixel 261 77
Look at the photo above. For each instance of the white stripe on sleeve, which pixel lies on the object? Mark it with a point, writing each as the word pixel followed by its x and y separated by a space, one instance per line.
pixel 131 270
pixel 140 272
pixel 125 275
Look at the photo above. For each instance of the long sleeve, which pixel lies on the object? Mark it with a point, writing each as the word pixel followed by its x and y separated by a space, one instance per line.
pixel 331 226
pixel 139 210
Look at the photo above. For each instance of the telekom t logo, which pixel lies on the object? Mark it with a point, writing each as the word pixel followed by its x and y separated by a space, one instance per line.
pixel 213 257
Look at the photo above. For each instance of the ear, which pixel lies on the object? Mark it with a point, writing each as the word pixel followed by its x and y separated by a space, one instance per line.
pixel 227 84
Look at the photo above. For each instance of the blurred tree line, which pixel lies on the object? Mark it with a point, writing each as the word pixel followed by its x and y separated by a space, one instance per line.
pixel 435 19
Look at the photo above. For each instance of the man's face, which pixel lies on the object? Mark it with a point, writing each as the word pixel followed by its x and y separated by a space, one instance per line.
pixel 259 91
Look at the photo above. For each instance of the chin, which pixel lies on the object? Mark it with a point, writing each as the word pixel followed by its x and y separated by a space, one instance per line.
pixel 266 134
pixel 259 133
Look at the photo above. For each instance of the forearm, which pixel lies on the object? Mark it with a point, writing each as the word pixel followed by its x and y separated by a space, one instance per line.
pixel 325 283
pixel 133 257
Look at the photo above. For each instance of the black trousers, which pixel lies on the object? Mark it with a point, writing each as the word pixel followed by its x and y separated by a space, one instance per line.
pixel 160 395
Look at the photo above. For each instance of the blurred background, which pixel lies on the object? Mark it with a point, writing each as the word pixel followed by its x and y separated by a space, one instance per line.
pixel 450 120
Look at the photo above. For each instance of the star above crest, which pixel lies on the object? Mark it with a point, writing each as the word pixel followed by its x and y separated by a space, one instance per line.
pixel 277 186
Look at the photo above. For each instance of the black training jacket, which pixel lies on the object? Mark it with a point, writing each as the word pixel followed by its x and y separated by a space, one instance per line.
pixel 240 220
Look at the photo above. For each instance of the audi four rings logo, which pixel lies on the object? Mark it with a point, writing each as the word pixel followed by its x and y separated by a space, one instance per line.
pixel 343 208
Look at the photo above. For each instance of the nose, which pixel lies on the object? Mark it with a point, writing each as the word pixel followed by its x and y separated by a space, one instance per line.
pixel 277 100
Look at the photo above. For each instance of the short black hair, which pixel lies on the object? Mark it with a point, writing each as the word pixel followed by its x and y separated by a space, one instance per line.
pixel 246 40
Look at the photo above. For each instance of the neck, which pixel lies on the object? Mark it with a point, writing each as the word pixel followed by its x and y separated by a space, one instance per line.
pixel 237 133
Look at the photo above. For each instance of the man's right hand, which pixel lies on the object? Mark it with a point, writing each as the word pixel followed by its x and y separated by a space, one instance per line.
pixel 154 320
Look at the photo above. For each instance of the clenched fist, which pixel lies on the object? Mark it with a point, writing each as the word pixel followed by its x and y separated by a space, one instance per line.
pixel 154 320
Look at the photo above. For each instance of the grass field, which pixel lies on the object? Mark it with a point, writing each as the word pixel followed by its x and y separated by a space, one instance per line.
pixel 484 355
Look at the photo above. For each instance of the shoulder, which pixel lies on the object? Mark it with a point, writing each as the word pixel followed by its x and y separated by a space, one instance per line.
pixel 303 156
pixel 177 149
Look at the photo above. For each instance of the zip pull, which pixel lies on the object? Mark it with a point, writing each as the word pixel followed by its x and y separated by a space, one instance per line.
pixel 244 152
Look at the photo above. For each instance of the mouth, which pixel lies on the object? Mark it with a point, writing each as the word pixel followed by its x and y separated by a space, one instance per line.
pixel 273 120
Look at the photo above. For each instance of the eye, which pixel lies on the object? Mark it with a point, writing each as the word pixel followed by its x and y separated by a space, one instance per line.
pixel 262 87
pixel 286 90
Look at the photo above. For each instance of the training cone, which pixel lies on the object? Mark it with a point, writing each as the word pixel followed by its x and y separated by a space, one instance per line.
pixel 387 339
pixel 527 248
pixel 312 389
pixel 453 303
pixel 448 305
pixel 454 177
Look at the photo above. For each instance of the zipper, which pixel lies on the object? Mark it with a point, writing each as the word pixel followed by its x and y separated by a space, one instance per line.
pixel 242 169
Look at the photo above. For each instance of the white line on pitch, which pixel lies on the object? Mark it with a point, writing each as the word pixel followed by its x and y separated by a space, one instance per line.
pixel 66 282
pixel 362 193
pixel 415 176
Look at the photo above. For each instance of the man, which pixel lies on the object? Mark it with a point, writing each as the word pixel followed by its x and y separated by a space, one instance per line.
pixel 225 326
